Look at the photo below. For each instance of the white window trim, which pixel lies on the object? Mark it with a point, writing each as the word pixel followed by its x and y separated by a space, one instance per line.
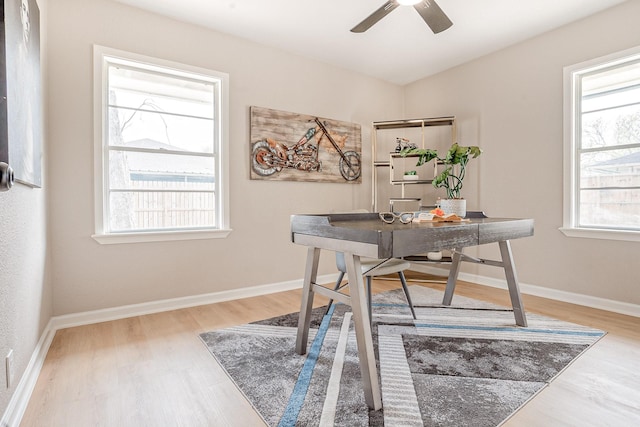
pixel 222 170
pixel 569 227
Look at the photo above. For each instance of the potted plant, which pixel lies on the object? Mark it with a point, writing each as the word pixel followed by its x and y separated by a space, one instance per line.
pixel 410 176
pixel 452 176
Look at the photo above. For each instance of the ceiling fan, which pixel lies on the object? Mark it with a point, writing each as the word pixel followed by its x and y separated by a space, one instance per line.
pixel 429 10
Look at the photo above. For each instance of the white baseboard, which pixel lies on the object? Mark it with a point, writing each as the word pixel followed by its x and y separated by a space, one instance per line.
pixel 557 295
pixel 20 399
pixel 541 291
pixel 115 313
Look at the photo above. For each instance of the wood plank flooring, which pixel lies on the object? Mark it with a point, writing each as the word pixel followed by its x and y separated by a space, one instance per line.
pixel 153 370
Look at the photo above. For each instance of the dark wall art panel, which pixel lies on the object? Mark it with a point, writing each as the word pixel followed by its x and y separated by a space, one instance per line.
pixel 20 90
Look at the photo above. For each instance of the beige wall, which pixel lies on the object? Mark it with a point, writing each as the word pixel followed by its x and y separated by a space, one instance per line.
pixel 510 103
pixel 25 285
pixel 90 276
pixel 25 288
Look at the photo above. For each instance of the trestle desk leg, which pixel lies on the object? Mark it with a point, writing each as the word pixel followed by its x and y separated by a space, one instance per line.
pixel 364 339
pixel 456 259
pixel 512 282
pixel 306 304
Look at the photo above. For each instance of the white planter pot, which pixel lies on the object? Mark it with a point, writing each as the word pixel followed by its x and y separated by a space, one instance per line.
pixel 455 206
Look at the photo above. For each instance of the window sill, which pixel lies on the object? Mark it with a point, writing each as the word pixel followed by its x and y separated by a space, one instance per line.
pixel 164 236
pixel 594 233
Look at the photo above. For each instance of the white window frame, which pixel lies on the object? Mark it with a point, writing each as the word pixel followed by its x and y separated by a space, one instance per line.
pixel 572 131
pixel 102 56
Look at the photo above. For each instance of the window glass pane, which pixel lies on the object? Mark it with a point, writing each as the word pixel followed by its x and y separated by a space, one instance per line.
pixel 154 91
pixel 610 189
pixel 134 170
pixel 610 168
pixel 610 87
pixel 613 208
pixel 610 127
pixel 131 211
pixel 153 129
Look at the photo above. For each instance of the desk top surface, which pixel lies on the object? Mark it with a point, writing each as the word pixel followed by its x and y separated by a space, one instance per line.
pixel 399 239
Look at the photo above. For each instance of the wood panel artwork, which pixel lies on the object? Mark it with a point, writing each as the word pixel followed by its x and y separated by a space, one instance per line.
pixel 296 147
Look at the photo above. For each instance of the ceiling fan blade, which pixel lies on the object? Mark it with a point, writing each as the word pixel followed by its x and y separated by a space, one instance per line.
pixel 368 22
pixel 435 18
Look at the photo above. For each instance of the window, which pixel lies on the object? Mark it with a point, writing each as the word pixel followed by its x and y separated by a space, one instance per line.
pixel 602 148
pixel 161 142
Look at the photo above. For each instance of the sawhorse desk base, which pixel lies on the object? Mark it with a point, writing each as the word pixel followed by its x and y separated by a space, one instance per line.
pixel 365 235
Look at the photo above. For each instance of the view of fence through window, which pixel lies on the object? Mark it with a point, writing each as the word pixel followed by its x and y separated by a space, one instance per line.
pixel 161 150
pixel 609 149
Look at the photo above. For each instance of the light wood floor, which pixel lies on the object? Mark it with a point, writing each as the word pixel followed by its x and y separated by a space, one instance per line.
pixel 153 370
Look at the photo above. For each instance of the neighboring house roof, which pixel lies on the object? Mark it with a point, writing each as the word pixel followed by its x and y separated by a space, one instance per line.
pixel 142 163
pixel 629 159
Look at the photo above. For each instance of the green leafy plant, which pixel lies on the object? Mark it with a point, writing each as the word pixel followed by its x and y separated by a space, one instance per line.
pixel 455 165
pixel 411 173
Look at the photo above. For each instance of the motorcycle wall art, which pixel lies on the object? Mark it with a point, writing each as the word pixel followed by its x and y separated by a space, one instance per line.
pixel 289 146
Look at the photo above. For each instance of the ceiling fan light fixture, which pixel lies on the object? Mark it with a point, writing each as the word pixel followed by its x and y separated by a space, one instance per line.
pixel 429 10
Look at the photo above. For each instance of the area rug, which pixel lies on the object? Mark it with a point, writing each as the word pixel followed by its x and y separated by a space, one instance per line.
pixel 464 365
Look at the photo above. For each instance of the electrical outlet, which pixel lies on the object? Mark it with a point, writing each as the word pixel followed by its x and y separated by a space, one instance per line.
pixel 9 367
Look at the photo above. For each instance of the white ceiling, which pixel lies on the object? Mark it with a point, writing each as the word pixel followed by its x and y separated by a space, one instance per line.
pixel 400 48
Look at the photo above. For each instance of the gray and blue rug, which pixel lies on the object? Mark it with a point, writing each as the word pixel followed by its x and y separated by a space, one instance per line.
pixel 465 365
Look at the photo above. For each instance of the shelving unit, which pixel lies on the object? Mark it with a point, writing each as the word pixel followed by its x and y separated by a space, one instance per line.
pixel 400 181
pixel 384 157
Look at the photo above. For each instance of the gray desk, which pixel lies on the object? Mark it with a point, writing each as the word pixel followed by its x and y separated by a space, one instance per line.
pixel 364 234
